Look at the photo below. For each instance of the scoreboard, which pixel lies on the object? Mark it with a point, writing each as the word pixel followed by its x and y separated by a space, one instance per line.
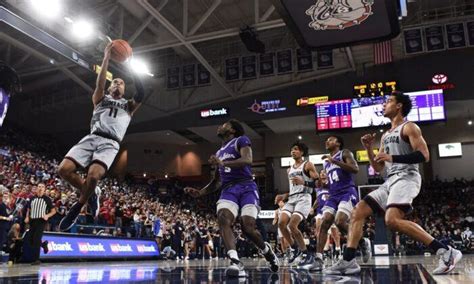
pixel 375 89
pixel 333 115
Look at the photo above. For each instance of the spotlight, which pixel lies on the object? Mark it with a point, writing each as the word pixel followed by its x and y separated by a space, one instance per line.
pixel 140 67
pixel 300 137
pixel 469 122
pixel 82 29
pixel 47 8
pixel 166 176
pixel 144 175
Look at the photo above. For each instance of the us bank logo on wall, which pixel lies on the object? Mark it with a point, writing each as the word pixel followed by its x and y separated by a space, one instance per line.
pixel 339 14
pixel 266 106
pixel 214 112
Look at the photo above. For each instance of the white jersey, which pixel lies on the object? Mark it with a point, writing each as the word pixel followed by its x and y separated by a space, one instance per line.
pixel 299 171
pixel 393 144
pixel 111 118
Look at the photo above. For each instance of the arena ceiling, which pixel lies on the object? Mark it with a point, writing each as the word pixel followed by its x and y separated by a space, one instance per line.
pixel 172 33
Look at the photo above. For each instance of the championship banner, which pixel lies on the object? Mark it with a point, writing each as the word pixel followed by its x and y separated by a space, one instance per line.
pixel 189 75
pixel 413 41
pixel 470 32
pixel 203 76
pixel 304 59
pixel 455 35
pixel 172 75
pixel 71 246
pixel 434 38
pixel 325 60
pixel 249 67
pixel 327 24
pixel 232 69
pixel 284 61
pixel 267 64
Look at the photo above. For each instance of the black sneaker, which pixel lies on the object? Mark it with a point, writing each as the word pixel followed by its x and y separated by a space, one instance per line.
pixel 94 202
pixel 70 219
pixel 295 257
pixel 44 245
pixel 271 257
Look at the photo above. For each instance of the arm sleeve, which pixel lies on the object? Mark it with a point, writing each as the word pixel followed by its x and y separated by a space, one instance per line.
pixel 412 158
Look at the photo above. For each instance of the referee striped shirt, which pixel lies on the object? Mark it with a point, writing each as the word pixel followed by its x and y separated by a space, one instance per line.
pixel 40 206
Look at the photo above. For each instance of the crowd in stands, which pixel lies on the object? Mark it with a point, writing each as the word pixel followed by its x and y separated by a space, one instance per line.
pixel 185 227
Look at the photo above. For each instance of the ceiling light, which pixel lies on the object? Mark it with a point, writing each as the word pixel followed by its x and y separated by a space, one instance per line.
pixel 300 137
pixel 140 67
pixel 82 29
pixel 47 8
pixel 469 122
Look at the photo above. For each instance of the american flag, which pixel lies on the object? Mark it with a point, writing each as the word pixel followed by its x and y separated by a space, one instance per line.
pixel 383 52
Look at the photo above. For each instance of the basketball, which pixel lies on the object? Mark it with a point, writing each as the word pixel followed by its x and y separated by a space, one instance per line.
pixel 121 50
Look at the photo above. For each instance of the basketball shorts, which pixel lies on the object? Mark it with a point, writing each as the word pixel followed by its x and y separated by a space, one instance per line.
pixel 398 191
pixel 94 149
pixel 299 204
pixel 342 202
pixel 243 196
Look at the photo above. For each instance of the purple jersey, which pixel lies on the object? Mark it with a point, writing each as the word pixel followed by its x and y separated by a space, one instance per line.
pixel 231 152
pixel 339 179
pixel 322 194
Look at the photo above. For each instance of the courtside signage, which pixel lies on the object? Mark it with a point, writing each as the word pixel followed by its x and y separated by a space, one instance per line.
pixel 64 246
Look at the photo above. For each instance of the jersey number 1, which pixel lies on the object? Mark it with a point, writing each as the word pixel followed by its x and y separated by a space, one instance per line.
pixel 113 112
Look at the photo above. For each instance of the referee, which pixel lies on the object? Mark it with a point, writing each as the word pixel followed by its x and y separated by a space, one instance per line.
pixel 39 210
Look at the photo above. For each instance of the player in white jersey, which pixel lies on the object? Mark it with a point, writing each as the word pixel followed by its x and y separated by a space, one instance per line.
pixel 402 148
pixel 299 204
pixel 96 151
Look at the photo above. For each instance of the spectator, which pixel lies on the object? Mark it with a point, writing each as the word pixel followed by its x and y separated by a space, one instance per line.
pixel 15 243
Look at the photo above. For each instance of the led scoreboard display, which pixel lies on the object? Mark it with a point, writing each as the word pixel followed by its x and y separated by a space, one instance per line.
pixel 333 115
pixel 375 89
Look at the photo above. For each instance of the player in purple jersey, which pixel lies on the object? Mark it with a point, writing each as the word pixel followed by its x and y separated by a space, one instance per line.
pixel 233 176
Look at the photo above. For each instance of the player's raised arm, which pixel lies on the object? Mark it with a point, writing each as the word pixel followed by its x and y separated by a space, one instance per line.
pixel 212 186
pixel 368 141
pixel 100 83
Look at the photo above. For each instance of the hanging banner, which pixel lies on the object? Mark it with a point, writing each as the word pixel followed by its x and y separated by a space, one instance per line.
pixel 232 69
pixel 325 59
pixel 304 59
pixel 172 75
pixel 434 38
pixel 204 76
pixel 455 35
pixel 267 64
pixel 249 67
pixel 284 61
pixel 413 41
pixel 189 75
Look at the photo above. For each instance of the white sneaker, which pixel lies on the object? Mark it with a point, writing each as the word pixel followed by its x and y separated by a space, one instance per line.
pixel 343 267
pixel 235 269
pixel 447 261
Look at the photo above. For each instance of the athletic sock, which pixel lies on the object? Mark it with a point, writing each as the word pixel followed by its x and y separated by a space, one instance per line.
pixel 319 255
pixel 265 250
pixel 349 254
pixel 233 254
pixel 435 245
pixel 338 248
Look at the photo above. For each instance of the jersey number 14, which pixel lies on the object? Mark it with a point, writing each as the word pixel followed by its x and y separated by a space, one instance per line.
pixel 333 177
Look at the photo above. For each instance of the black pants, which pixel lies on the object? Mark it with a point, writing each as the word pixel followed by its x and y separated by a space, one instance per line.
pixel 36 233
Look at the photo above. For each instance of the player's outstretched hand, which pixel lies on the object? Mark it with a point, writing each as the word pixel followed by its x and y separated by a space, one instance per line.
pixel 108 49
pixel 192 191
pixel 214 160
pixel 367 140
pixel 279 197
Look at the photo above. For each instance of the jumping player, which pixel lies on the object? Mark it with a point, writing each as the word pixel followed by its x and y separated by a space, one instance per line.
pixel 239 192
pixel 402 148
pixel 298 206
pixel 96 151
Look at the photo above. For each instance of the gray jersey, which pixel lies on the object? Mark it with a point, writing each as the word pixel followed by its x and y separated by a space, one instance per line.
pixel 111 117
pixel 393 144
pixel 299 171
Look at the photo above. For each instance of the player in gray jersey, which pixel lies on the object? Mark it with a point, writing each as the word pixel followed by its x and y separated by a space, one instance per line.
pixel 96 151
pixel 402 148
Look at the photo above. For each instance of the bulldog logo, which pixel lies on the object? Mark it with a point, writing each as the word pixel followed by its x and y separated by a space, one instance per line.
pixel 339 14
